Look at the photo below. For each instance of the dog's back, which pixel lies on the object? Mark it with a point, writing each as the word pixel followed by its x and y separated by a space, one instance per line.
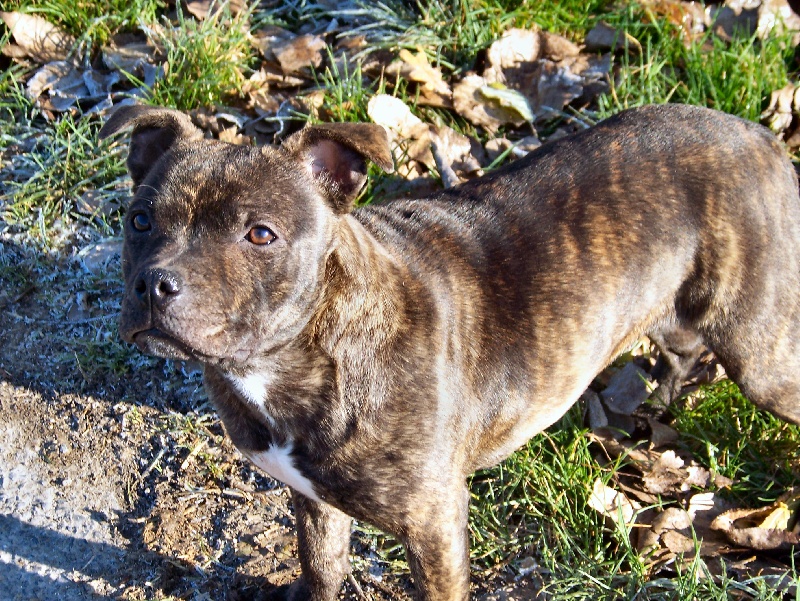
pixel 657 221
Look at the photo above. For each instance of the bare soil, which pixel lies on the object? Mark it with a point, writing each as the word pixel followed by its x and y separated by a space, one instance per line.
pixel 116 479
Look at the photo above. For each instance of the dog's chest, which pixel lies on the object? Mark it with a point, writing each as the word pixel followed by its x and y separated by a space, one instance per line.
pixel 277 460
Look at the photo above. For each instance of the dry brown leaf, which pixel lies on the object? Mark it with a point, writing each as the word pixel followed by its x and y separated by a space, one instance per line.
pixel 775 17
pixel 781 110
pixel 613 504
pixel 677 542
pixel 37 37
pixel 627 389
pixel 595 411
pixel 60 85
pixel 640 457
pixel 529 75
pixel 416 68
pixel 515 48
pixel 689 16
pixel 661 434
pixel 669 474
pixel 671 530
pixel 98 203
pixel 733 525
pixel 557 48
pixel 458 148
pixel 300 53
pixel 266 37
pixel 557 87
pixel 471 104
pixel 96 256
pixel 768 528
pixel 128 57
pixel 272 74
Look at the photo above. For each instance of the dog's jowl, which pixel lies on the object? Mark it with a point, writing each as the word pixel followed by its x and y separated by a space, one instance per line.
pixel 372 358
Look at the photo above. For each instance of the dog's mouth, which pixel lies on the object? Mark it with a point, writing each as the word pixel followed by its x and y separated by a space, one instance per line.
pixel 157 342
pixel 160 344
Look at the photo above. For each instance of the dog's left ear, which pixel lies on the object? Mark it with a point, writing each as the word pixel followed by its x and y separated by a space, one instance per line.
pixel 155 131
pixel 336 155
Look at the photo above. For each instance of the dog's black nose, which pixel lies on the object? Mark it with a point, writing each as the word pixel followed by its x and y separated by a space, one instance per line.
pixel 157 286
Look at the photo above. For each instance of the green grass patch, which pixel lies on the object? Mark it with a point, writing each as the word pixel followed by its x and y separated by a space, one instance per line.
pixel 539 493
pixel 206 62
pixel 60 161
pixel 571 18
pixel 91 22
pixel 535 504
pixel 735 76
pixel 728 434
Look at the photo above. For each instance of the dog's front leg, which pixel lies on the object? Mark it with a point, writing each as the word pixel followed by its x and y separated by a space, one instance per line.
pixel 323 534
pixel 438 548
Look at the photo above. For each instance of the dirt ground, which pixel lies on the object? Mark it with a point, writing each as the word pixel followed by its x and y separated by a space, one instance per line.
pixel 116 480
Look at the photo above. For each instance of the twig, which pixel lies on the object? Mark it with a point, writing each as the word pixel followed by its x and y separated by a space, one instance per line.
pixel 354 583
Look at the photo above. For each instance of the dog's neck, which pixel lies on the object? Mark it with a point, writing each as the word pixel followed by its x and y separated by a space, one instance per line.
pixel 333 367
pixel 364 304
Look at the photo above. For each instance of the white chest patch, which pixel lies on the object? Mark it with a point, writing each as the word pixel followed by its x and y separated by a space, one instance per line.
pixel 253 387
pixel 277 462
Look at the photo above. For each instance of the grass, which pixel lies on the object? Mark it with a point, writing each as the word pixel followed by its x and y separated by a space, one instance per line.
pixel 345 92
pixel 93 23
pixel 535 504
pixel 57 163
pixel 216 55
pixel 758 451
pixel 535 494
pixel 736 77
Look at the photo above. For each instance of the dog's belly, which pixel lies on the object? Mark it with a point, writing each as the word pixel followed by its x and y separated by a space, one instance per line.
pixel 519 422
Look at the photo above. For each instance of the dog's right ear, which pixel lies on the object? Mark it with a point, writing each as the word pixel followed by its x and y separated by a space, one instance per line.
pixel 336 155
pixel 155 131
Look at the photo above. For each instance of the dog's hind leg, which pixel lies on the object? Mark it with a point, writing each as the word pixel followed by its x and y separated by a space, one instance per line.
pixel 769 378
pixel 323 534
pixel 761 352
pixel 679 348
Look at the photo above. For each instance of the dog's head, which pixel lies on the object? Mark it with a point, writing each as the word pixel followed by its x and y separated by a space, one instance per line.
pixel 225 246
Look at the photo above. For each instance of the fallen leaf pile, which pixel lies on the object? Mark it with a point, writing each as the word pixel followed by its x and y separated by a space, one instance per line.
pixel 526 79
pixel 670 506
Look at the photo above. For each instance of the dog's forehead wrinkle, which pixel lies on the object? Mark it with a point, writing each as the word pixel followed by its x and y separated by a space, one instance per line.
pixel 220 198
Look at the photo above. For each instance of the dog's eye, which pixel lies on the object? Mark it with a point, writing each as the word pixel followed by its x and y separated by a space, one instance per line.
pixel 261 235
pixel 141 222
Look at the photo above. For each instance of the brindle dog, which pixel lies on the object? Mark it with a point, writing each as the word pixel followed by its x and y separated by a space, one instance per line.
pixel 371 358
